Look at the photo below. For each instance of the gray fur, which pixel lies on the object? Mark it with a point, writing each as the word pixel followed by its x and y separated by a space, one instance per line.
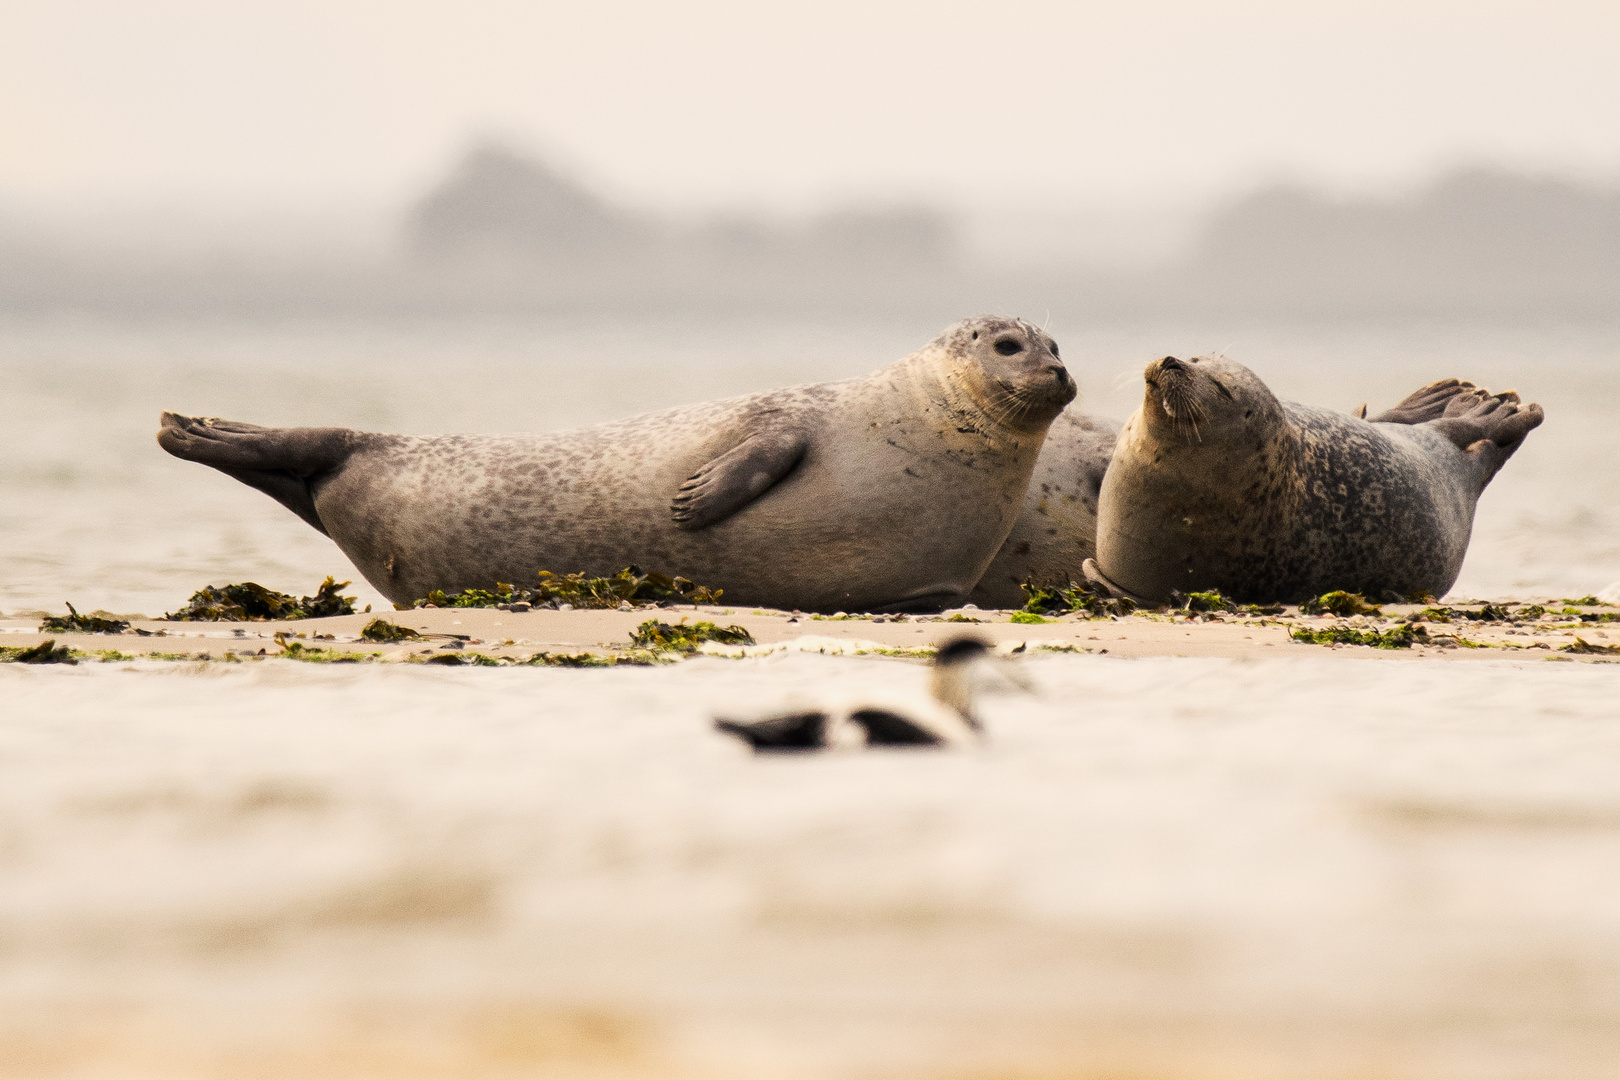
pixel 891 491
pixel 1214 483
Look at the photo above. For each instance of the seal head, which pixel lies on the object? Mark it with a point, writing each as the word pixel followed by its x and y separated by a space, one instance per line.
pixel 1007 369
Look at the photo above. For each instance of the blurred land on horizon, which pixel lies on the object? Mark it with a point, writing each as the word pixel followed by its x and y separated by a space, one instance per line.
pixel 505 233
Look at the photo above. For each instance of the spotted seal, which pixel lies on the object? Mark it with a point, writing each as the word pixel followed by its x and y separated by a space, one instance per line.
pixel 1216 484
pixel 888 492
pixel 1056 531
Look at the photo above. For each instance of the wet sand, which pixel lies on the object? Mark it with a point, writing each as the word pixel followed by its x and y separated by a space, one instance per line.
pixel 515 637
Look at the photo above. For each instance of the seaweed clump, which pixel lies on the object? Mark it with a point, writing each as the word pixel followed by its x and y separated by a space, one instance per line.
pixel 1403 636
pixel 1213 600
pixel 46 652
pixel 631 585
pixel 73 622
pixel 252 602
pixel 1581 645
pixel 384 632
pixel 684 637
pixel 581 660
pixel 1486 613
pixel 1340 603
pixel 1062 599
pixel 297 650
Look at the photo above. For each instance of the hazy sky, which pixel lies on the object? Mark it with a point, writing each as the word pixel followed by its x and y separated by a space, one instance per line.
pixel 702 102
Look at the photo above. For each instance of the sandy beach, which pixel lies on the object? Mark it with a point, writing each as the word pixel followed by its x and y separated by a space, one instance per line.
pixel 1199 848
pixel 513 637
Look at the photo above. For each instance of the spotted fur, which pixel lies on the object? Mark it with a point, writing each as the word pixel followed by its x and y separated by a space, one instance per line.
pixel 908 482
pixel 1274 501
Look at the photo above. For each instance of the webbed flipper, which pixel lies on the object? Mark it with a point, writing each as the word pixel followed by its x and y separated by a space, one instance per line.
pixel 1430 403
pixel 281 462
pixel 1497 418
pixel 737 477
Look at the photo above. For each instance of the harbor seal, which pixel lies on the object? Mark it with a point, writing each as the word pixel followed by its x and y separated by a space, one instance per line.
pixel 1056 531
pixel 1215 484
pixel 888 492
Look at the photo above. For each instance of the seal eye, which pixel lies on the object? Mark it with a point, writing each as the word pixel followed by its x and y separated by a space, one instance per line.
pixel 1009 346
pixel 1053 347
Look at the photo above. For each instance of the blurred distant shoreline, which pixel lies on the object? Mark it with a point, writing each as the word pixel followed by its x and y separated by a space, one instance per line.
pixel 505 235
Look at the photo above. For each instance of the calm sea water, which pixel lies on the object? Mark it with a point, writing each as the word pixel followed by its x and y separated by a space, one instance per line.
pixel 93 512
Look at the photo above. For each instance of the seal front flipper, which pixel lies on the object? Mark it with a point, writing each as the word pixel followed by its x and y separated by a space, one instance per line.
pixel 737 477
pixel 281 462
pixel 1093 573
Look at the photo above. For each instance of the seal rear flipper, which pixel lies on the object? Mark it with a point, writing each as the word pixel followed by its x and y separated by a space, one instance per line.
pixel 1499 418
pixel 1430 403
pixel 1492 430
pixel 736 478
pixel 281 462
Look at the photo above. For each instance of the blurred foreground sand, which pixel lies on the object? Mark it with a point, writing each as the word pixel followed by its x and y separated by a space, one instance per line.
pixel 1265 862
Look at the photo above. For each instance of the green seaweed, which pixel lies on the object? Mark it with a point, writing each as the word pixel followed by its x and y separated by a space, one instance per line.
pixel 384 632
pixel 684 637
pixel 1486 613
pixel 1340 603
pixel 251 602
pixel 73 622
pixel 959 617
pixel 1027 617
pixel 1202 602
pixel 46 652
pixel 1403 636
pixel 295 650
pixel 1581 645
pixel 630 585
pixel 1060 600
pixel 467 659
pixel 1587 601
pixel 572 660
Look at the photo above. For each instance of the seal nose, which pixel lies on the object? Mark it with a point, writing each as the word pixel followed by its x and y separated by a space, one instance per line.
pixel 1170 363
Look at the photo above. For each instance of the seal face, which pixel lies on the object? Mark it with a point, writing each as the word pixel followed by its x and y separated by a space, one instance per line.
pixel 1216 484
pixel 889 492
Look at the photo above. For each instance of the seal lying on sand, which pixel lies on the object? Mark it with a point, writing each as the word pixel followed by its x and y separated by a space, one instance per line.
pixel 1056 531
pixel 889 492
pixel 1215 484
